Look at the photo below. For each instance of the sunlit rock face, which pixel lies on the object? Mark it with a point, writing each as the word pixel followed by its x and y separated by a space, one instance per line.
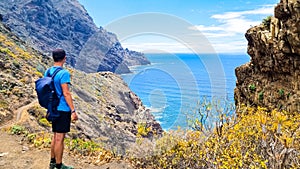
pixel 272 77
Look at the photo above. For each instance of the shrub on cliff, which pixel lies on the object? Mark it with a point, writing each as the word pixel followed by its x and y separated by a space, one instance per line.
pixel 267 22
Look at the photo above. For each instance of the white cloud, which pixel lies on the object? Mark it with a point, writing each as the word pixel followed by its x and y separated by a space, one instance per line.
pixel 227 15
pixel 217 35
pixel 231 47
pixel 265 10
pixel 154 47
pixel 232 25
pixel 226 35
pixel 207 28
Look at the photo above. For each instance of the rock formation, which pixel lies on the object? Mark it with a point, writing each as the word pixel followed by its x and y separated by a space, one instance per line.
pixel 272 78
pixel 48 24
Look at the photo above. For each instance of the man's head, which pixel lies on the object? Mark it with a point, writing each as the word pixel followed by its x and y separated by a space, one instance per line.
pixel 58 55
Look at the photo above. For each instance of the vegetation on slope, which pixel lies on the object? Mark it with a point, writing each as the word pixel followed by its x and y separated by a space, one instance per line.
pixel 255 139
pixel 20 66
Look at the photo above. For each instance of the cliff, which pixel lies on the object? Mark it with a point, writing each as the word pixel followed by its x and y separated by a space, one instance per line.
pixel 109 112
pixel 49 24
pixel 271 79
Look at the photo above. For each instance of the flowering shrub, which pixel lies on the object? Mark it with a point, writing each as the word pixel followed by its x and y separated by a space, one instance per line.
pixel 254 139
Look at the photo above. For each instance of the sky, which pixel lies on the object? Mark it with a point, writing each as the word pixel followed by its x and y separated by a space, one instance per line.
pixel 166 25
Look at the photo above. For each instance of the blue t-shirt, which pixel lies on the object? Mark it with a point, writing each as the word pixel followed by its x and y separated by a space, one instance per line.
pixel 62 77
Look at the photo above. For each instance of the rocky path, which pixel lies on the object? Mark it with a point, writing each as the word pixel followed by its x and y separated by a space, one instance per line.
pixel 18 114
pixel 17 154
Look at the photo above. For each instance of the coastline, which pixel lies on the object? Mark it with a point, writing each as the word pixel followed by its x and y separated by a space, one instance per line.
pixel 169 90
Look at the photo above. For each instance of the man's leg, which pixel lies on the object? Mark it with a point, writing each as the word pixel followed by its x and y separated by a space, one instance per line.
pixel 59 147
pixel 52 154
pixel 52 146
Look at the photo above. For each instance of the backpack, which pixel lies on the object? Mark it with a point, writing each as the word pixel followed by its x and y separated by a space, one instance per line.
pixel 47 95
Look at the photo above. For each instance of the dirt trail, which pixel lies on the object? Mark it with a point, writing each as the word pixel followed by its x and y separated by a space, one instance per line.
pixel 17 154
pixel 18 114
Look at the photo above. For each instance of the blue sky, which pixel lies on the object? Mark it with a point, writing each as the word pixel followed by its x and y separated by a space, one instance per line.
pixel 223 23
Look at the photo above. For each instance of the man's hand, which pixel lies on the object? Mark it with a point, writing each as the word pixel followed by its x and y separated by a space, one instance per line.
pixel 74 116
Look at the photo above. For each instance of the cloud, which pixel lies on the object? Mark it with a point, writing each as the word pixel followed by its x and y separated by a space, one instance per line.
pixel 176 47
pixel 233 25
pixel 207 28
pixel 154 47
pixel 265 10
pixel 231 46
pixel 226 35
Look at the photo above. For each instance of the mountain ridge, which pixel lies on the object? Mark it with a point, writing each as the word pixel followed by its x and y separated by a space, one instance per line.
pixel 50 24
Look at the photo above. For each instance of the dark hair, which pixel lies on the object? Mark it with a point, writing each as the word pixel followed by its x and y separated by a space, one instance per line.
pixel 58 55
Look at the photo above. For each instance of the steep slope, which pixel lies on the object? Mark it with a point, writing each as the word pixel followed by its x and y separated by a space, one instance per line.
pixel 109 112
pixel 271 79
pixel 48 24
pixel 20 65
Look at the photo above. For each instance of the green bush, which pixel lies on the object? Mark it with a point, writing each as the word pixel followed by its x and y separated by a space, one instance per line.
pixel 252 87
pixel 281 92
pixel 261 96
pixel 267 22
pixel 18 130
pixel 16 64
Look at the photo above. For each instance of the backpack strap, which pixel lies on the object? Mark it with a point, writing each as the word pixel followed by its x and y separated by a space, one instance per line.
pixel 53 75
pixel 55 72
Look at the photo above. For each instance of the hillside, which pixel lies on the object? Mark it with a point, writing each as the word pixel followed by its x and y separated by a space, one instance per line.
pixel 271 78
pixel 109 113
pixel 20 65
pixel 49 24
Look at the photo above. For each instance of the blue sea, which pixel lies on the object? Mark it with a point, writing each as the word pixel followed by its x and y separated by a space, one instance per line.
pixel 174 83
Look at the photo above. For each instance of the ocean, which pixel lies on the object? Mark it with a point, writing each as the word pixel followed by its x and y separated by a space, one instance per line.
pixel 174 83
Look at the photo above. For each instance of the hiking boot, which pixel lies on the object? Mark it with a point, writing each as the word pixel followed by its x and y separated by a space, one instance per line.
pixel 65 167
pixel 52 165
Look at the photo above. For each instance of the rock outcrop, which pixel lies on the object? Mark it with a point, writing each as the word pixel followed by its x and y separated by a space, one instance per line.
pixel 49 24
pixel 272 78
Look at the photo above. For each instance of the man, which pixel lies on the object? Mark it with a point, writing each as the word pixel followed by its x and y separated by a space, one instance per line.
pixel 61 126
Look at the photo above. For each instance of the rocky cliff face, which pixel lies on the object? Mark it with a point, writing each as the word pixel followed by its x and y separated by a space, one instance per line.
pixel 49 24
pixel 109 112
pixel 272 78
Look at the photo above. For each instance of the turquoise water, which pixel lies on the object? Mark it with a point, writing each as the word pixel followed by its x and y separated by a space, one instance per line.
pixel 173 83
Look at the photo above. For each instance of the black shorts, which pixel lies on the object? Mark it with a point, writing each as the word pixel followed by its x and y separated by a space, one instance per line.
pixel 62 123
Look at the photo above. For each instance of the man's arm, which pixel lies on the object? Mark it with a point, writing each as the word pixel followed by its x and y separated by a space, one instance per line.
pixel 68 98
